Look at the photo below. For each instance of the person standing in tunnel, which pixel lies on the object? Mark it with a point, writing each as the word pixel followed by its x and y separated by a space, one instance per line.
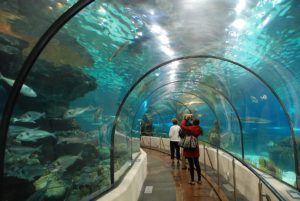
pixel 174 140
pixel 192 155
pixel 182 134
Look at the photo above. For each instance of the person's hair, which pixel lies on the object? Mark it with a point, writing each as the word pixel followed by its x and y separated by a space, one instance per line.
pixel 174 121
pixel 196 122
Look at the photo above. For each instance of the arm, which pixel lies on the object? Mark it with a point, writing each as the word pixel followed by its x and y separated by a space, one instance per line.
pixel 194 130
pixel 183 124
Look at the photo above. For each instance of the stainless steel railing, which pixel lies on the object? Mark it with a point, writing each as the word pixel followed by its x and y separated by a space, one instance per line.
pixel 261 180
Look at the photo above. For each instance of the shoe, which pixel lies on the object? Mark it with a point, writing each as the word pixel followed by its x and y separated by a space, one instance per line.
pixel 184 168
pixel 192 182
pixel 199 182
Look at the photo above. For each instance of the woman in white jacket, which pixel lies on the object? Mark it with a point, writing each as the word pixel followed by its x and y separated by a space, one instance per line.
pixel 174 140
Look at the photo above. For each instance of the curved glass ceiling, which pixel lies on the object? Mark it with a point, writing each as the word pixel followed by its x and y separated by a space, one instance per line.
pixel 102 54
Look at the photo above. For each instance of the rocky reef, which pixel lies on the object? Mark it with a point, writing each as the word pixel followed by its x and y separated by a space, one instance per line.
pixel 65 165
pixel 53 95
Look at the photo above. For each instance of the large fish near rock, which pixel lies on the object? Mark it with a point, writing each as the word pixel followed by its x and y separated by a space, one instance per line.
pixel 34 135
pixel 29 116
pixel 24 149
pixel 25 90
pixel 63 163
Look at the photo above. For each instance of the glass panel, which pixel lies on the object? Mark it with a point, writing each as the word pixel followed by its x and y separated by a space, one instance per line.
pixel 232 100
pixel 122 144
pixel 20 29
pixel 60 139
pixel 108 46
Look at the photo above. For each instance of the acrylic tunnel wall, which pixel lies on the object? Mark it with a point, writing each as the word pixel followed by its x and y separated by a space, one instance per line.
pixel 97 74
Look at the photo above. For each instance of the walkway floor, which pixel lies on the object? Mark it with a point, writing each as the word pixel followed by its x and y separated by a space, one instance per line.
pixel 167 182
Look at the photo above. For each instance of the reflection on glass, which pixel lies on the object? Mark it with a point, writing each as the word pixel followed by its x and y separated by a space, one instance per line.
pixel 59 143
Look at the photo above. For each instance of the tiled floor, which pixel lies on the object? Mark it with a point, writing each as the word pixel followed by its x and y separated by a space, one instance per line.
pixel 170 182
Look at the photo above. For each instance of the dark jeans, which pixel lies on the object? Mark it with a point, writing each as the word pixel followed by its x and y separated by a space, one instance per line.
pixel 174 146
pixel 192 162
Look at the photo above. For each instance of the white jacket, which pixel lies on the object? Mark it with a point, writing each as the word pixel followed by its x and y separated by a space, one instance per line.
pixel 174 133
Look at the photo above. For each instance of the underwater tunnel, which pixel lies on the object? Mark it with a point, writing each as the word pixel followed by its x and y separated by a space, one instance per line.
pixel 86 84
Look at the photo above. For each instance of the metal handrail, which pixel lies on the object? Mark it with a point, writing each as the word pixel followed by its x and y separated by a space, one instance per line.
pixel 234 63
pixel 261 179
pixel 265 182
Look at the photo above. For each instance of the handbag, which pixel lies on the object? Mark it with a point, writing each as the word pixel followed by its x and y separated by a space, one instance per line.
pixel 181 134
pixel 189 142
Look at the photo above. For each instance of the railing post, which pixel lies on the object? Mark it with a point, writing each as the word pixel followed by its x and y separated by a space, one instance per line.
pixel 218 170
pixel 150 141
pixel 160 143
pixel 142 141
pixel 204 148
pixel 234 181
pixel 260 190
pixel 261 194
pixel 163 144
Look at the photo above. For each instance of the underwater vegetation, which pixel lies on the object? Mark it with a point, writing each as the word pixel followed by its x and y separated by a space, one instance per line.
pixel 269 166
pixel 266 165
pixel 55 166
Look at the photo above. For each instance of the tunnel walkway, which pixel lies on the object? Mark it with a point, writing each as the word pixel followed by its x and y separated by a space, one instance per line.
pixel 170 183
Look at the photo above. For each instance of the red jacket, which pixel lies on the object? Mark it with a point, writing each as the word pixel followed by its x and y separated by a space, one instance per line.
pixel 195 131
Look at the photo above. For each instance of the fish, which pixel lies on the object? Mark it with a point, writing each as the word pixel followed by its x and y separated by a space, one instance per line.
pixel 264 97
pixel 194 102
pixel 32 135
pixel 64 162
pixel 16 130
pixel 29 116
pixel 25 90
pixel 98 114
pixel 254 120
pixel 70 113
pixel 31 172
pixel 270 144
pixel 253 99
pixel 119 50
pixel 69 140
pixel 25 150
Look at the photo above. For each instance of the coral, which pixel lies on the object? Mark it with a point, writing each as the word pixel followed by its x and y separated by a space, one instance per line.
pixel 269 166
pixel 54 185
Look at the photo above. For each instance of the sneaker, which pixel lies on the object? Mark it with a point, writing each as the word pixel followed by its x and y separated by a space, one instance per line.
pixel 192 182
pixel 199 182
pixel 184 168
